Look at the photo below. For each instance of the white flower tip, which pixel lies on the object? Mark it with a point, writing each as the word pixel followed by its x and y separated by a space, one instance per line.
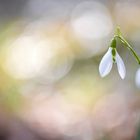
pixel 102 74
pixel 122 76
pixel 106 64
pixel 104 71
pixel 121 66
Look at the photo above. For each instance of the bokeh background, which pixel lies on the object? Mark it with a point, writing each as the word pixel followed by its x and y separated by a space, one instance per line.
pixel 50 87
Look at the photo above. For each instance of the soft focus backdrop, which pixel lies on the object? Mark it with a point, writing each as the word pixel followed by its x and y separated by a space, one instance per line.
pixel 50 87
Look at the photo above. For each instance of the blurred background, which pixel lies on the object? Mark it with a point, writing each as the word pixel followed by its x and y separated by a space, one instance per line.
pixel 50 87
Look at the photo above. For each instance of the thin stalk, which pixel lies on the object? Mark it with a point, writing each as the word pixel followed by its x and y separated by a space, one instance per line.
pixel 128 47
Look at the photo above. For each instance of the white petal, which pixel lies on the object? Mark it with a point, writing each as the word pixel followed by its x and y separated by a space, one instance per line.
pixel 137 78
pixel 106 63
pixel 121 66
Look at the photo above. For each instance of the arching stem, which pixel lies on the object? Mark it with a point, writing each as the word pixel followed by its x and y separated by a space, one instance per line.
pixel 126 44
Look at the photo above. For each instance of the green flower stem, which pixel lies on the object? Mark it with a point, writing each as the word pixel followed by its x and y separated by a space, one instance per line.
pixel 121 38
pixel 128 47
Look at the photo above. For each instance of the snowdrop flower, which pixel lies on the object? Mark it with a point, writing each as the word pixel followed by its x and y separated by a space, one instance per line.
pixel 137 78
pixel 112 56
pixel 107 61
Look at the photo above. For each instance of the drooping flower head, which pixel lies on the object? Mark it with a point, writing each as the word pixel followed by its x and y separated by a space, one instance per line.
pixel 109 58
pixel 112 56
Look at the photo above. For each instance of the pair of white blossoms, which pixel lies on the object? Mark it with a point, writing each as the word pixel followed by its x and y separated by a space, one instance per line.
pixel 112 57
pixel 107 61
